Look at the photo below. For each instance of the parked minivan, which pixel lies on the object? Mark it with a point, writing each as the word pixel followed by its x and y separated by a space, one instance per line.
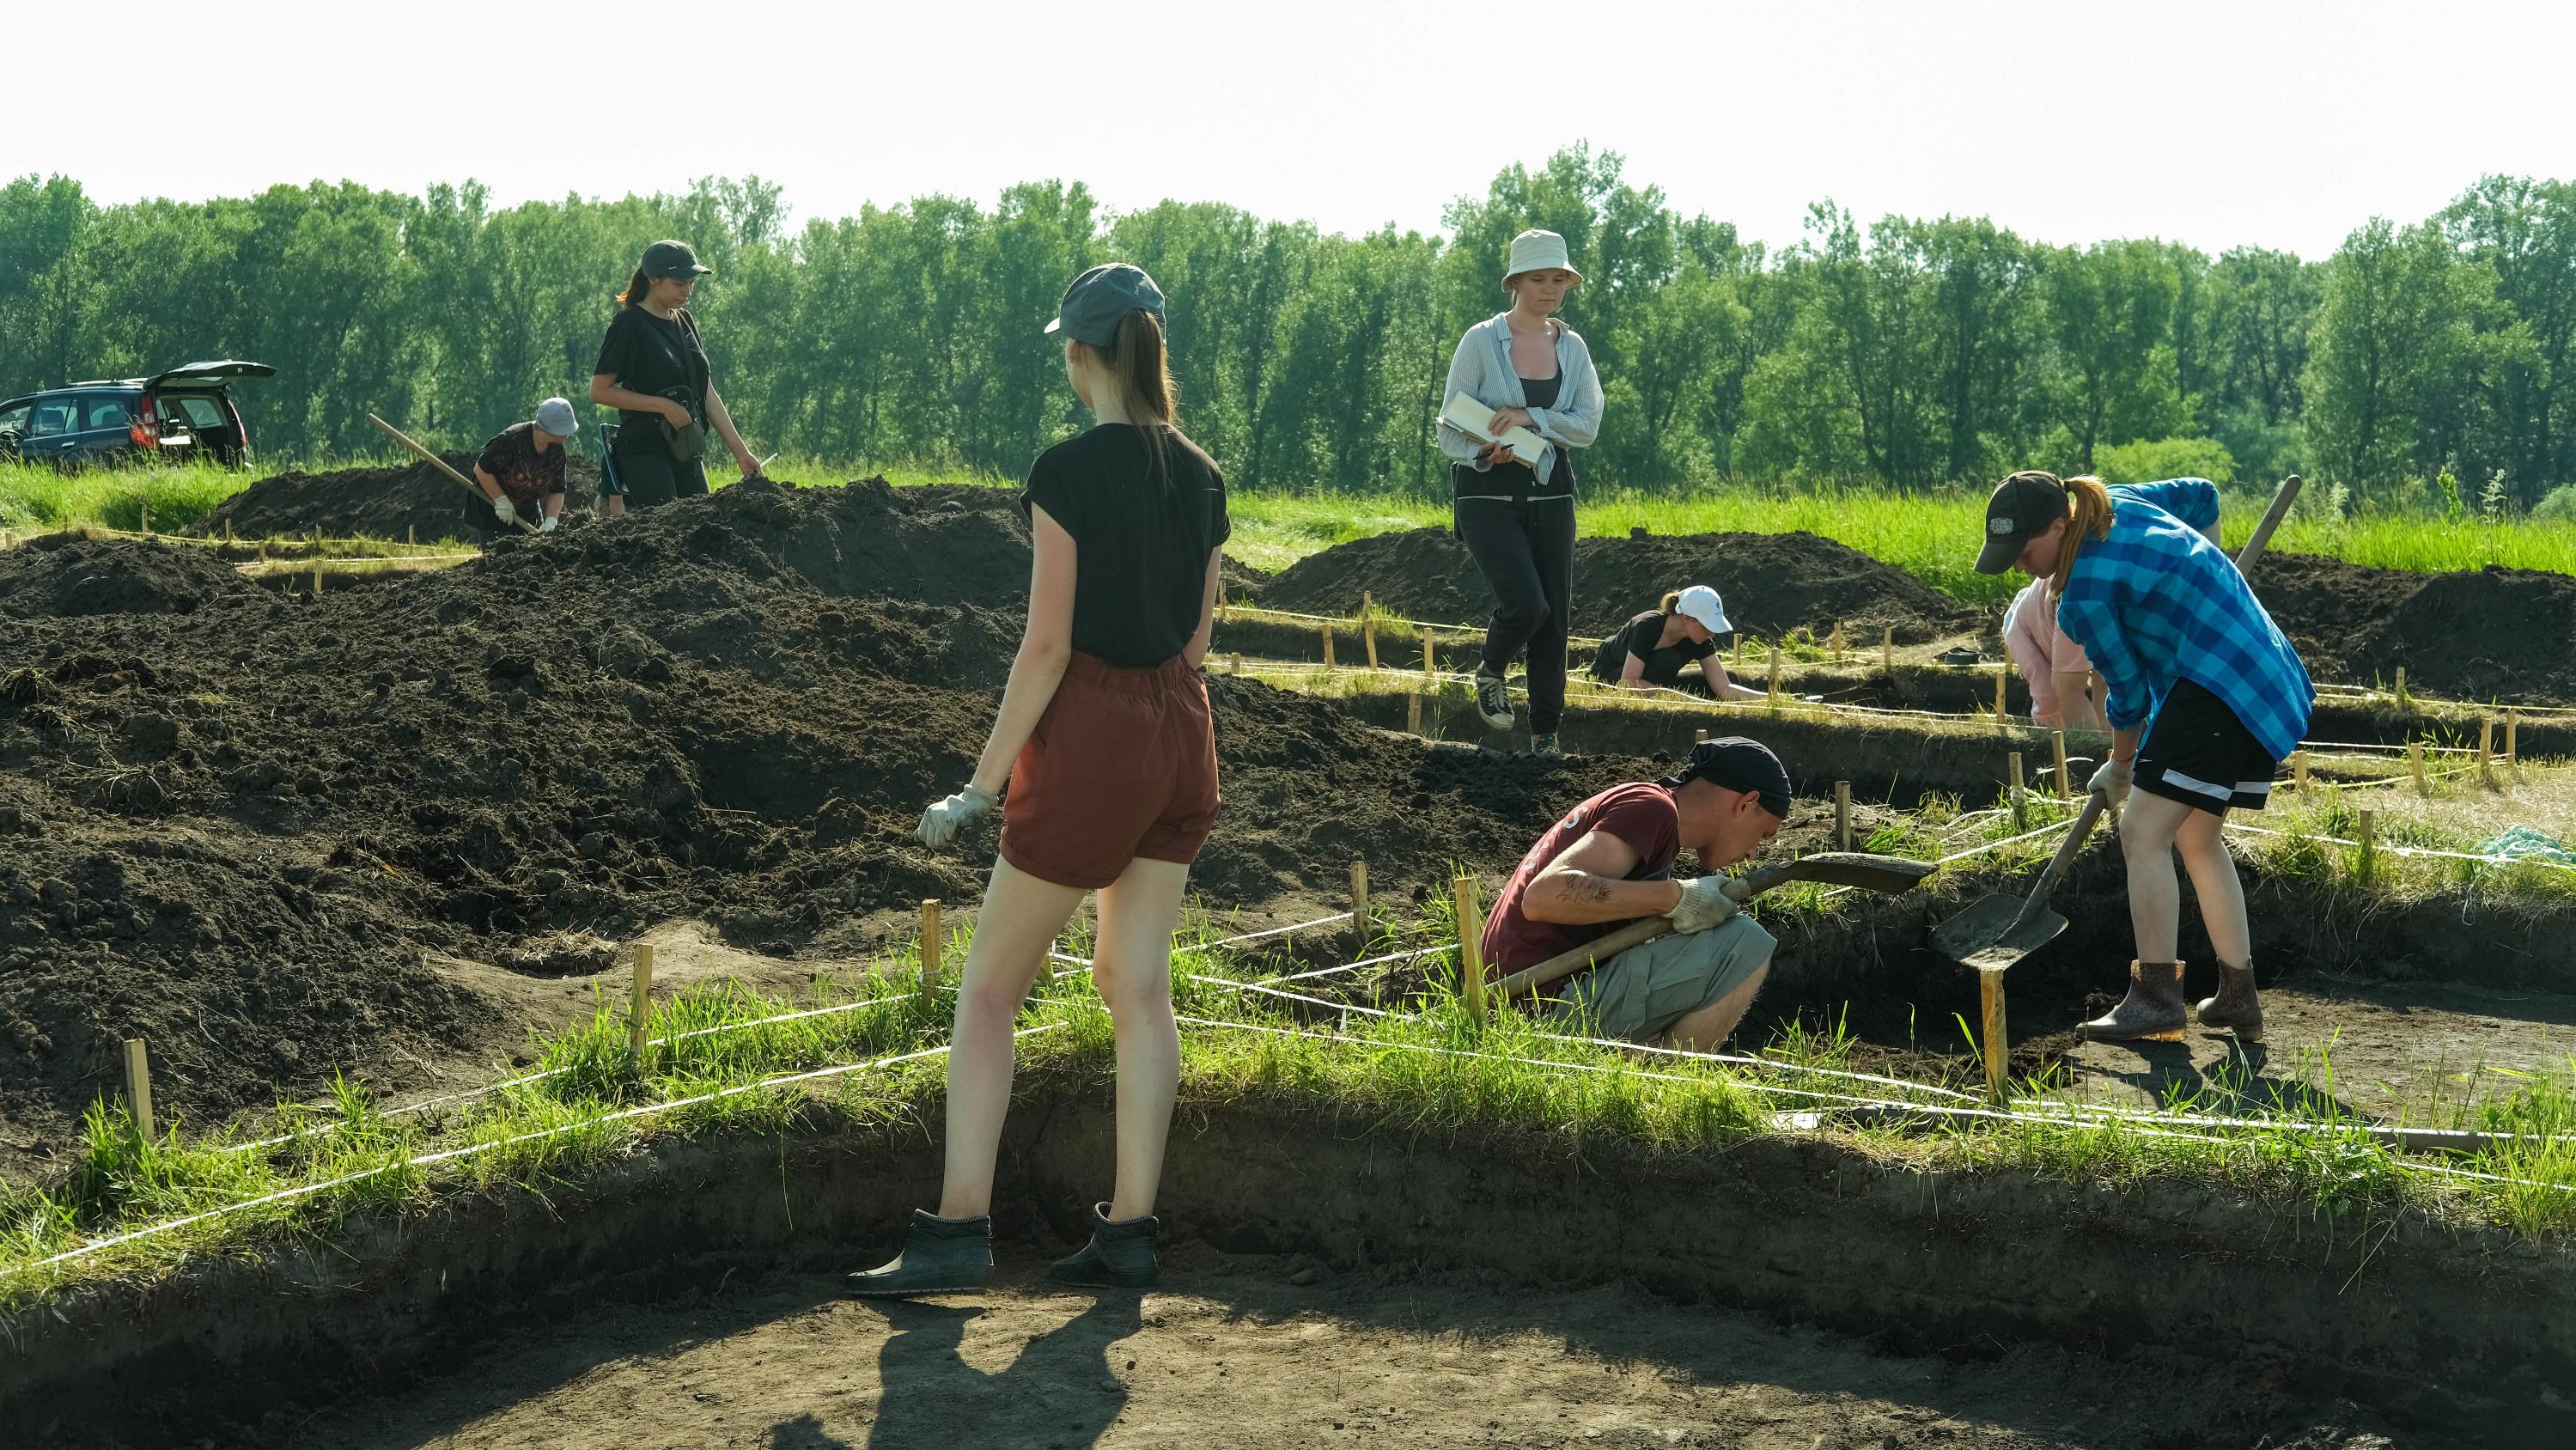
pixel 185 412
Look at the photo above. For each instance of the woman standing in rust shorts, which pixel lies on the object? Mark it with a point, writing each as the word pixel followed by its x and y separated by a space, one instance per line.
pixel 1110 758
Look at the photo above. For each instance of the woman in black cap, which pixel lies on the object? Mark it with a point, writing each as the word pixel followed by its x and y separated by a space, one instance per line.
pixel 1517 518
pixel 653 369
pixel 1106 744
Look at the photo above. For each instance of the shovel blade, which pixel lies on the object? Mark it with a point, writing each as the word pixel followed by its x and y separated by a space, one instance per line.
pixel 1982 936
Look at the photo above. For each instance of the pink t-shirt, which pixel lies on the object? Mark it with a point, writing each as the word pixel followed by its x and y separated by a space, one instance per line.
pixel 1642 814
pixel 2039 649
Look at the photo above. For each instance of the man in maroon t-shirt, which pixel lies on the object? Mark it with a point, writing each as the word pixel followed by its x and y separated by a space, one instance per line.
pixel 1610 861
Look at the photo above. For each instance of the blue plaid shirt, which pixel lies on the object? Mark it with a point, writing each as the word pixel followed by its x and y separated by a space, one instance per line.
pixel 2156 602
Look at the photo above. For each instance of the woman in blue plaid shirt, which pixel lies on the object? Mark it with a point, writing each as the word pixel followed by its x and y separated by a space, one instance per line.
pixel 2205 698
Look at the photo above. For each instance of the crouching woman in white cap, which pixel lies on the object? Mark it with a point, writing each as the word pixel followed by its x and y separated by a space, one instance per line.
pixel 1655 647
pixel 1517 519
pixel 521 471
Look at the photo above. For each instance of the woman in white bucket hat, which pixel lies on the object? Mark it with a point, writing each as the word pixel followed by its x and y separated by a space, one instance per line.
pixel 1656 646
pixel 1517 518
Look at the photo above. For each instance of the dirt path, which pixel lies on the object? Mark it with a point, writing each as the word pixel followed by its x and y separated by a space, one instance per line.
pixel 1235 1356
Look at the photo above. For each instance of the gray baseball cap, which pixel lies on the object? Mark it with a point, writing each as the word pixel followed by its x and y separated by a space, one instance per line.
pixel 1101 298
pixel 673 259
pixel 556 417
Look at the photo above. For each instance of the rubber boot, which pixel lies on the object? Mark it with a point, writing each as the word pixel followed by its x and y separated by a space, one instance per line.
pixel 2152 1012
pixel 1119 1256
pixel 1493 701
pixel 940 1256
pixel 2236 1007
pixel 1544 746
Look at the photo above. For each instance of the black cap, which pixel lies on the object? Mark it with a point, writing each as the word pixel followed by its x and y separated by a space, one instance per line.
pixel 2022 508
pixel 673 259
pixel 1101 298
pixel 1737 764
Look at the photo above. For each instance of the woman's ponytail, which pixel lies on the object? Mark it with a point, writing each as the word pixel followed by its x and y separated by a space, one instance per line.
pixel 1672 602
pixel 1142 370
pixel 2088 514
pixel 637 287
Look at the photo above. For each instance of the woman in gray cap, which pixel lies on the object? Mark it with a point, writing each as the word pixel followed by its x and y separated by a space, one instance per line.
pixel 1108 751
pixel 521 471
pixel 1517 518
pixel 652 368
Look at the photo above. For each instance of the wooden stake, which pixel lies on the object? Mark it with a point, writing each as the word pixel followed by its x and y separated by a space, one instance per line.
pixel 2401 684
pixel 1998 1052
pixel 2299 769
pixel 1359 900
pixel 2512 737
pixel 1775 675
pixel 1739 651
pixel 2000 677
pixel 146 506
pixel 1368 637
pixel 411 533
pixel 228 531
pixel 934 950
pixel 1238 662
pixel 1471 944
pixel 2057 744
pixel 2415 767
pixel 2365 835
pixel 1887 652
pixel 1842 815
pixel 639 1015
pixel 2486 748
pixel 1413 712
pixel 317 578
pixel 1430 661
pixel 1836 644
pixel 2012 784
pixel 138 1086
pixel 1328 646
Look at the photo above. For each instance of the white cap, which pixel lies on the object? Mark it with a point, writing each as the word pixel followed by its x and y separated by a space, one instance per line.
pixel 556 417
pixel 1535 250
pixel 1701 603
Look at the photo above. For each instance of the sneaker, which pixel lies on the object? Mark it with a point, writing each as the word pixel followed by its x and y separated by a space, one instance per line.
pixel 1493 701
pixel 1544 747
pixel 940 1256
pixel 1119 1256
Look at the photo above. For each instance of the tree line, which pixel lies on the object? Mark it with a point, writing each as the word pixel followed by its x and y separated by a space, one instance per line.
pixel 2424 361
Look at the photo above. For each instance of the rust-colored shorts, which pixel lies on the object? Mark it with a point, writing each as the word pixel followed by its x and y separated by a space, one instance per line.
pixel 1122 766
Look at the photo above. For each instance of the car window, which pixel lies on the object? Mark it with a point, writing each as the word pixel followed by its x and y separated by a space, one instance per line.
pixel 108 412
pixel 199 410
pixel 15 419
pixel 52 418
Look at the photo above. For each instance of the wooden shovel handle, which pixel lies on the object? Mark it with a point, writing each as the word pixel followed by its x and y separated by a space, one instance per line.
pixel 2094 805
pixel 1564 964
pixel 2262 535
pixel 437 462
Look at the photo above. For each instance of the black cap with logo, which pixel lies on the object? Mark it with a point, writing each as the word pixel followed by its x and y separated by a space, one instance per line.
pixel 2022 508
pixel 673 259
pixel 1737 764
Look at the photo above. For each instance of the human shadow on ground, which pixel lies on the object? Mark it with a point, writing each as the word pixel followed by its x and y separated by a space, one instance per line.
pixel 1059 1390
pixel 805 1432
pixel 2237 1086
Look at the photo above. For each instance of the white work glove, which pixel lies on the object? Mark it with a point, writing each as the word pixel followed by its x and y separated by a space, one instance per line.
pixel 504 510
pixel 2113 781
pixel 1705 903
pixel 547 524
pixel 943 822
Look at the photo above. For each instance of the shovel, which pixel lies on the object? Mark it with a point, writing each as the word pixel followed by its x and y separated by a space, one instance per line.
pixel 1890 874
pixel 413 444
pixel 2000 930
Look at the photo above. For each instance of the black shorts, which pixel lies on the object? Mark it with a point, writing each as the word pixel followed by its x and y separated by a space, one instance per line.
pixel 2200 754
pixel 650 478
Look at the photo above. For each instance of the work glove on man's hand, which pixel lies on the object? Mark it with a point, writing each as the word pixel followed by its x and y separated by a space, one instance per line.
pixel 548 524
pixel 2113 781
pixel 1704 904
pixel 504 510
pixel 944 821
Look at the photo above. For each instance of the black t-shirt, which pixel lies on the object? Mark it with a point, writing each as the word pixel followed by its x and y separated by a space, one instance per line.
pixel 525 474
pixel 1642 637
pixel 1141 539
pixel 658 356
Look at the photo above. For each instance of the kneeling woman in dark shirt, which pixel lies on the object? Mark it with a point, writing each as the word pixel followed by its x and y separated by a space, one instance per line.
pixel 1105 741
pixel 1654 648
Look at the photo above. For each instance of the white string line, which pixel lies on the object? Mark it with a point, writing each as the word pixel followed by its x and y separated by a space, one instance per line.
pixel 471 1149
pixel 2400 1133
pixel 1920 1109
pixel 1363 962
pixel 2377 846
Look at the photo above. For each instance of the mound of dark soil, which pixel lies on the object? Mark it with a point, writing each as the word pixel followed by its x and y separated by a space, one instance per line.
pixel 71 575
pixel 1772 583
pixel 2485 634
pixel 416 501
pixel 264 834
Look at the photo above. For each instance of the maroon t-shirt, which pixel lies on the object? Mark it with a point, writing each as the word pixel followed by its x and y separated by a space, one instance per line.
pixel 1641 814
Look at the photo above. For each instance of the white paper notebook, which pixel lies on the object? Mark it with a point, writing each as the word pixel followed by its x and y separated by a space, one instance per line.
pixel 1477 421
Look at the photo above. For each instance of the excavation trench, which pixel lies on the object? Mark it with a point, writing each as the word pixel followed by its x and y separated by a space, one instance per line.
pixel 2429 1324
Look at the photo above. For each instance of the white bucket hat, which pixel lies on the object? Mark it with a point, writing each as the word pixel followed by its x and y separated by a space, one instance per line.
pixel 556 417
pixel 1701 603
pixel 1534 251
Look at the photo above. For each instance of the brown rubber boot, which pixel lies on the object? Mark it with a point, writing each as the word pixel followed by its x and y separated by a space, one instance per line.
pixel 2236 1007
pixel 2152 1012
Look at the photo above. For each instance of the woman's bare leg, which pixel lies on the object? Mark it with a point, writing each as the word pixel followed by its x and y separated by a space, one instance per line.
pixel 1016 924
pixel 2215 882
pixel 1133 968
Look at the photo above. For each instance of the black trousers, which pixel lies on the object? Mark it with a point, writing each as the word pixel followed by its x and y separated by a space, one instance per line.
pixel 650 478
pixel 1525 550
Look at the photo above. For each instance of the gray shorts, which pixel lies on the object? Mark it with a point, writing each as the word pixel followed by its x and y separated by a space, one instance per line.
pixel 1640 993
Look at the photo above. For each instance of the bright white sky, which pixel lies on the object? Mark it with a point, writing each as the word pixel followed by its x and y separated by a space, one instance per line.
pixel 2282 124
